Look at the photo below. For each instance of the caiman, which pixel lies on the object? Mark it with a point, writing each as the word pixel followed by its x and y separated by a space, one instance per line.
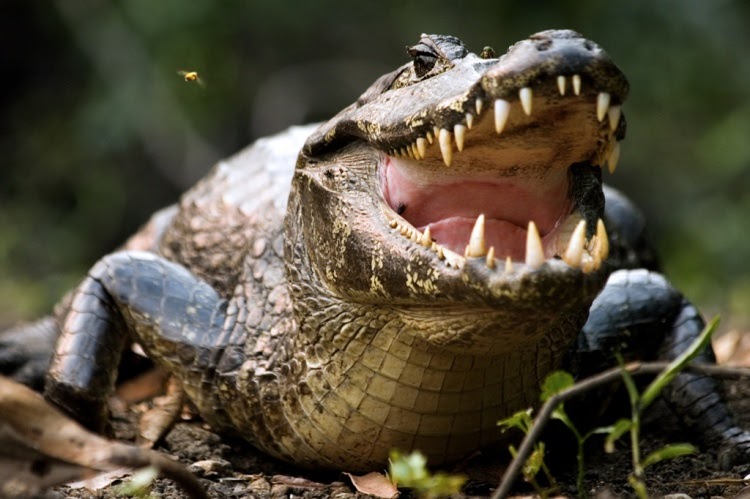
pixel 438 248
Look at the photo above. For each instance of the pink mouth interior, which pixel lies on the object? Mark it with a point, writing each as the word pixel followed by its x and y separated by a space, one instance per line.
pixel 450 205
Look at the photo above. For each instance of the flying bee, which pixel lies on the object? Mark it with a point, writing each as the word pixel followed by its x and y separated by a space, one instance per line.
pixel 191 76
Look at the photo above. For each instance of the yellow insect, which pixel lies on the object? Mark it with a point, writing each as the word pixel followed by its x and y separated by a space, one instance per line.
pixel 191 76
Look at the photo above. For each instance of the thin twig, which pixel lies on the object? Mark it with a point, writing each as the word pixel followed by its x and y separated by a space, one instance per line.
pixel 588 384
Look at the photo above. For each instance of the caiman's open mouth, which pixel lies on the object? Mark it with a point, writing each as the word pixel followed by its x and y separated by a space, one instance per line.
pixel 487 160
pixel 500 184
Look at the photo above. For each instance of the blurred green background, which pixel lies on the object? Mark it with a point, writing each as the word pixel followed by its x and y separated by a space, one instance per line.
pixel 97 129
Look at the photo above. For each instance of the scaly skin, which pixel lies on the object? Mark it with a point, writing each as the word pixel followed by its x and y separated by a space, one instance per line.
pixel 329 328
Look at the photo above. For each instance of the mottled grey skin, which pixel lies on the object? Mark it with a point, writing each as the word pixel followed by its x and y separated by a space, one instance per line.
pixel 314 323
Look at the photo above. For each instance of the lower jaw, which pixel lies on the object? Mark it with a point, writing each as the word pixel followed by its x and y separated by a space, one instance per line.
pixel 507 238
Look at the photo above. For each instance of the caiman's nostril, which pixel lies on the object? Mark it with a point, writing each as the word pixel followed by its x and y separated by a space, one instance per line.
pixel 543 45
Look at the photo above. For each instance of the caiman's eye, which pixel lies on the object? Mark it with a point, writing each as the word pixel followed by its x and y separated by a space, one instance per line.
pixel 424 59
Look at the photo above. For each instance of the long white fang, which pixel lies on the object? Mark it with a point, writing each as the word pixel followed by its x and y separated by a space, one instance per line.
pixel 526 96
pixel 534 250
pixel 426 239
pixel 561 84
pixel 502 110
pixel 576 84
pixel 422 147
pixel 460 132
pixel 614 158
pixel 430 137
pixel 602 105
pixel 614 117
pixel 446 148
pixel 469 120
pixel 601 249
pixel 477 245
pixel 417 153
pixel 491 257
pixel 478 105
pixel 574 254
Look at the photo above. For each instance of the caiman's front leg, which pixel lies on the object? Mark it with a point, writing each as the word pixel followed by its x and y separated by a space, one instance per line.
pixel 640 314
pixel 177 318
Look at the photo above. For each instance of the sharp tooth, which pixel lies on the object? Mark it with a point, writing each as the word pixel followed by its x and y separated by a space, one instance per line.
pixel 393 224
pixel 409 152
pixel 574 254
pixel 477 246
pixel 491 257
pixel 415 236
pixel 440 253
pixel 436 131
pixel 404 230
pixel 508 265
pixel 426 239
pixel 469 120
pixel 417 152
pixel 614 157
pixel 460 132
pixel 422 147
pixel 525 95
pixel 577 84
pixel 478 104
pixel 602 105
pixel 534 250
pixel 502 110
pixel 561 84
pixel 446 148
pixel 430 137
pixel 614 117
pixel 601 248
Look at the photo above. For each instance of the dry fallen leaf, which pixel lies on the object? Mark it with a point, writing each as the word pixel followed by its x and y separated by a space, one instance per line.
pixel 145 386
pixel 47 448
pixel 733 348
pixel 375 484
pixel 156 422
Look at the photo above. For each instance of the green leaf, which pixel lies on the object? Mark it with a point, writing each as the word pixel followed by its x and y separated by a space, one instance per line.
pixel 534 462
pixel 520 420
pixel 554 383
pixel 411 471
pixel 665 377
pixel 139 484
pixel 618 429
pixel 601 430
pixel 668 452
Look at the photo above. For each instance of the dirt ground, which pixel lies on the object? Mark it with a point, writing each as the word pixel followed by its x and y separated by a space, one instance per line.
pixel 230 468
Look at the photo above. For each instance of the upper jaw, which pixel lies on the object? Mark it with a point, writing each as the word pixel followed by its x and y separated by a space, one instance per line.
pixel 523 153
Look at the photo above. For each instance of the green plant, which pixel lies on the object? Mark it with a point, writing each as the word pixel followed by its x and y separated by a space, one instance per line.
pixel 411 471
pixel 553 384
pixel 559 387
pixel 640 401
pixel 522 421
pixel 139 484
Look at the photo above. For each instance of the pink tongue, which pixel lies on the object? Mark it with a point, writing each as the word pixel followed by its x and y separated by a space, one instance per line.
pixel 451 205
